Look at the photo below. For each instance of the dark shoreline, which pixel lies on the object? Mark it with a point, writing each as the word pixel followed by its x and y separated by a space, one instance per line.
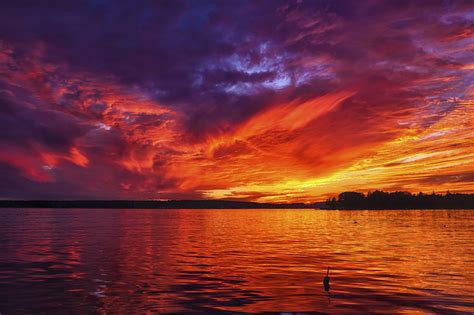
pixel 149 204
pixel 400 200
pixel 185 204
pixel 349 200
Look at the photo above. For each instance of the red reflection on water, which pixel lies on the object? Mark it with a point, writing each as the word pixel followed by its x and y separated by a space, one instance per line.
pixel 246 260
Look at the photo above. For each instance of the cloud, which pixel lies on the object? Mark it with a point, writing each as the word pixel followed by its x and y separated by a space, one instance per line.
pixel 254 100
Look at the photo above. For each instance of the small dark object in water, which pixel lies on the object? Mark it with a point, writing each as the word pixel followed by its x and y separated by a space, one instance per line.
pixel 326 281
pixel 444 225
pixel 355 222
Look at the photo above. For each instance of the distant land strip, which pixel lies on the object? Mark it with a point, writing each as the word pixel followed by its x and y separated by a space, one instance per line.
pixel 149 204
pixel 350 200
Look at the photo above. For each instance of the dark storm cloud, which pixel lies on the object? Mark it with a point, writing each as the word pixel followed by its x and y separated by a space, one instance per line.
pixel 181 50
pixel 20 125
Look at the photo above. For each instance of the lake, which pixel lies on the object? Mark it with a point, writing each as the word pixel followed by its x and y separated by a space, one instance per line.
pixel 133 261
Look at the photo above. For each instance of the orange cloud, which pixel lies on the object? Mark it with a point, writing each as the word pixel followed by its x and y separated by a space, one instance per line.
pixel 396 129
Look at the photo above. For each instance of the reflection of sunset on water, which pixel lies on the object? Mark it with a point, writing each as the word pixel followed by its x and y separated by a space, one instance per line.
pixel 238 260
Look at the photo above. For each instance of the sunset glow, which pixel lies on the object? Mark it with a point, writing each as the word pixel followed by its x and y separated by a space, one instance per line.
pixel 251 101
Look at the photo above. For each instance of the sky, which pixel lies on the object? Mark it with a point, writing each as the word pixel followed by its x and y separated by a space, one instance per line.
pixel 268 101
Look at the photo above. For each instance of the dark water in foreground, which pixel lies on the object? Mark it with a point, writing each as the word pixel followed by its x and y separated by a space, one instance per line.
pixel 132 261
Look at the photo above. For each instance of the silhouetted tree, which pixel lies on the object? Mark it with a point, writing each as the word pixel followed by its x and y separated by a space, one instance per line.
pixel 352 200
pixel 401 200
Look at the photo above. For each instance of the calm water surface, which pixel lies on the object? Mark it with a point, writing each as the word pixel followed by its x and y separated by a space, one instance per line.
pixel 130 261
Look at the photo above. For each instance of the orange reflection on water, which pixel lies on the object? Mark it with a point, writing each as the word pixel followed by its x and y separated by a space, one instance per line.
pixel 275 260
pixel 244 260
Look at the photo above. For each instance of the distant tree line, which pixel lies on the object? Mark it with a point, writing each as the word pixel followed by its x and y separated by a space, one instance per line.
pixel 346 200
pixel 400 200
